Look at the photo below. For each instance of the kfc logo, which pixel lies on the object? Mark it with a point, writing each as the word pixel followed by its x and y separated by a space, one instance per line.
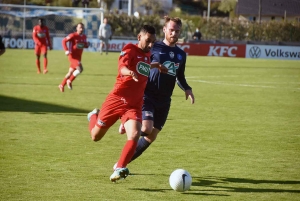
pixel 222 51
pixel 184 47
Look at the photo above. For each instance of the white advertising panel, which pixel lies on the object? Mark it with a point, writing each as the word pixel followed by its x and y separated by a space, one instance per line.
pixel 273 52
pixel 114 45
pixel 18 43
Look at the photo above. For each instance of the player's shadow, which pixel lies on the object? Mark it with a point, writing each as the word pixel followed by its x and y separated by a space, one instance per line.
pixel 11 104
pixel 229 185
pixel 220 186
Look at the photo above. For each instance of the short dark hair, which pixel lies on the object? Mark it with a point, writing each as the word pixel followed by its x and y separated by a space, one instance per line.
pixel 177 20
pixel 41 19
pixel 147 29
pixel 80 24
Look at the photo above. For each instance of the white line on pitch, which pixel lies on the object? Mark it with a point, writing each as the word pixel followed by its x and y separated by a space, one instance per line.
pixel 241 85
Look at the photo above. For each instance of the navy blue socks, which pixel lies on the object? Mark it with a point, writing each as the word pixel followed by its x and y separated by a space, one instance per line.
pixel 141 147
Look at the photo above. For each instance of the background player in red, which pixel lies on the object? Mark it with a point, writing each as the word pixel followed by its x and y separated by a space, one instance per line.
pixel 125 100
pixel 76 42
pixel 41 39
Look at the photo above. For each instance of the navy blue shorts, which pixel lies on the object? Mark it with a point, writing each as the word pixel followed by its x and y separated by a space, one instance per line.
pixel 155 111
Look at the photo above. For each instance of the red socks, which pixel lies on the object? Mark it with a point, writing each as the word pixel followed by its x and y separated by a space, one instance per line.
pixel 63 83
pixel 72 77
pixel 127 153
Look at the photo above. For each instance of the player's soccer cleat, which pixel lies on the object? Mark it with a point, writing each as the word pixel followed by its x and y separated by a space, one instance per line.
pixel 95 111
pixel 45 71
pixel 69 84
pixel 122 129
pixel 61 88
pixel 115 166
pixel 119 173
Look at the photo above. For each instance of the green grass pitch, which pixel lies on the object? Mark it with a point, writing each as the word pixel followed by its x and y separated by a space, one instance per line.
pixel 239 141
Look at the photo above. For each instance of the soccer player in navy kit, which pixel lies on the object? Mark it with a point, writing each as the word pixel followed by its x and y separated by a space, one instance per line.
pixel 159 88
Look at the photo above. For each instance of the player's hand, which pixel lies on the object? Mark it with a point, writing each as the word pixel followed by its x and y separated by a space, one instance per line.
pixel 67 52
pixel 160 67
pixel 189 94
pixel 50 47
pixel 134 76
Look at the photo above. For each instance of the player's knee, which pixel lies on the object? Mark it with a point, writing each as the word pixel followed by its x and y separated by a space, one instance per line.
pixel 146 130
pixel 95 137
pixel 97 134
pixel 68 74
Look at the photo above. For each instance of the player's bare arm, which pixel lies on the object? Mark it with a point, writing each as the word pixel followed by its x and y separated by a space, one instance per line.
pixel 159 66
pixel 126 72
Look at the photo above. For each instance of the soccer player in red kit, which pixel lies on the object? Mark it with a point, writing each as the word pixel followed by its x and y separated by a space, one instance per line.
pixel 76 42
pixel 41 39
pixel 125 101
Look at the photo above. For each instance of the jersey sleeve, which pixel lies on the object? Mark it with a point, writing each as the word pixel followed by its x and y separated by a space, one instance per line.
pixel 100 30
pixel 180 77
pixel 125 57
pixel 48 37
pixel 65 40
pixel 34 35
pixel 154 54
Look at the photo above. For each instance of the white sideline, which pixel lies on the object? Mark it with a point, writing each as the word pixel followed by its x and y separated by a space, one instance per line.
pixel 241 85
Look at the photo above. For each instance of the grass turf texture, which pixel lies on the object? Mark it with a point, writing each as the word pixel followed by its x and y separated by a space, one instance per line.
pixel 239 141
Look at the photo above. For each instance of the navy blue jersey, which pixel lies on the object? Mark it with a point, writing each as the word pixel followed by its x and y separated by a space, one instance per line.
pixel 161 85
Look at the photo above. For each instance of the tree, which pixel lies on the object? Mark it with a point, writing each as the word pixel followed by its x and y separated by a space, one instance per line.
pixel 150 5
pixel 108 3
pixel 228 6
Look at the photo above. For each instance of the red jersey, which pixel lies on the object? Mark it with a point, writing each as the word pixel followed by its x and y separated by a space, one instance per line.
pixel 41 36
pixel 138 61
pixel 76 44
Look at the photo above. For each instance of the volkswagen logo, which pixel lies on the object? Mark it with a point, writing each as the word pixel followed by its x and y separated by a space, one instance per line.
pixel 255 52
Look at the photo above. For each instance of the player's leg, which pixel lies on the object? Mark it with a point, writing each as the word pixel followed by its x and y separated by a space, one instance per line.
pixel 37 61
pixel 77 71
pixel 153 122
pixel 101 46
pixel 96 132
pixel 101 120
pixel 44 52
pixel 133 128
pixel 64 81
pixel 106 46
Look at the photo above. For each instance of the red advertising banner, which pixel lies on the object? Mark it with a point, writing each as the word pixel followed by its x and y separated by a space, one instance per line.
pixel 219 50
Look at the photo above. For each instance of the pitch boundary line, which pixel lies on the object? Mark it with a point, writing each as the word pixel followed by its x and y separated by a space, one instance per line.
pixel 241 85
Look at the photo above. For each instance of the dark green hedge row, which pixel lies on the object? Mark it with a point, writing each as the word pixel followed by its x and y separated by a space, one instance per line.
pixel 216 28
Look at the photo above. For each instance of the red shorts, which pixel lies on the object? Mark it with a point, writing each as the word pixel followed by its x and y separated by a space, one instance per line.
pixel 74 63
pixel 116 107
pixel 41 49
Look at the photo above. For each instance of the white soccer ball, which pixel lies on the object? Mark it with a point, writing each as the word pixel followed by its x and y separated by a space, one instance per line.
pixel 180 180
